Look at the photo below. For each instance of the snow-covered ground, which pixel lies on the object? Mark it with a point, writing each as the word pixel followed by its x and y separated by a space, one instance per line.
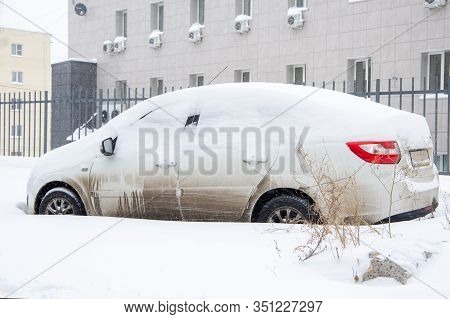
pixel 91 257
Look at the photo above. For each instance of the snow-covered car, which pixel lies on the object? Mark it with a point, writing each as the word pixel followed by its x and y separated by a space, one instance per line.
pixel 280 153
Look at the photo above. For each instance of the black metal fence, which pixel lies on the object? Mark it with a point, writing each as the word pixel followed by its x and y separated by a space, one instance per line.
pixel 32 123
pixel 24 123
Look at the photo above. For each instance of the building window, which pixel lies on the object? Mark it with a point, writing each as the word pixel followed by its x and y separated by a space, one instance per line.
pixel 244 7
pixel 16 153
pixel 16 49
pixel 198 11
pixel 359 75
pixel 16 130
pixel 297 3
pixel 121 23
pixel 438 70
pixel 296 74
pixel 17 77
pixel 121 90
pixel 157 86
pixel 157 13
pixel 242 76
pixel 246 76
pixel 196 80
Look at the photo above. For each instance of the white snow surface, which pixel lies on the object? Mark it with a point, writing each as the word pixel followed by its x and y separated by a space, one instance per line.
pixel 99 257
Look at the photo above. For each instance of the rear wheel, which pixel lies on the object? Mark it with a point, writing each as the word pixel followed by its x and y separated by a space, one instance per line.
pixel 287 209
pixel 61 201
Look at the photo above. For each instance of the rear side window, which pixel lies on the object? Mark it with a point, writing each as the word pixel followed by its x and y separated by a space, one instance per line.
pixel 192 120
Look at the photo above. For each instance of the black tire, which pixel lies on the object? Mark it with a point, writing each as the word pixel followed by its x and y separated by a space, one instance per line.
pixel 61 201
pixel 287 209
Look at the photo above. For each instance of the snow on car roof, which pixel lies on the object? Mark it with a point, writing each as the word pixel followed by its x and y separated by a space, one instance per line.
pixel 330 114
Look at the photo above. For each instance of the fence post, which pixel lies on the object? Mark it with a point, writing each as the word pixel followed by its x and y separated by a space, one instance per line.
pixel 128 105
pixel 24 130
pixel 14 123
pixel 45 120
pixel 448 125
pixel 29 124
pixel 9 125
pixel 2 102
pixel 412 95
pixel 378 89
pixel 401 94
pixel 17 108
pixel 1 119
pixel 424 97
pixel 99 108
pixel 34 122
pixel 436 103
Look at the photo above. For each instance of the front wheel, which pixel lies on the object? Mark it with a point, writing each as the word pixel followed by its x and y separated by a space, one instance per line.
pixel 287 209
pixel 61 201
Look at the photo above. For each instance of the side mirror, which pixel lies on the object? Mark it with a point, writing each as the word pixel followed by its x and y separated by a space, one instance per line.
pixel 108 146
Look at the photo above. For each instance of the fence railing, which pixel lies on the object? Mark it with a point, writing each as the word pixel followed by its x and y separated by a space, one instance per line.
pixel 33 123
pixel 24 123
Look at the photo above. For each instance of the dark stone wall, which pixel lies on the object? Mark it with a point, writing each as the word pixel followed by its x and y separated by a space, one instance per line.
pixel 74 86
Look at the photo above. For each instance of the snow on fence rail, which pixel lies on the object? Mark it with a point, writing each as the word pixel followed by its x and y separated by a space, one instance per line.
pixel 32 123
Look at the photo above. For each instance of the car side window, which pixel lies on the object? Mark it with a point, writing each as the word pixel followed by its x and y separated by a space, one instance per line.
pixel 192 120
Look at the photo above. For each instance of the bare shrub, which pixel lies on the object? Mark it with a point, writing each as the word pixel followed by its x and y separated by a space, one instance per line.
pixel 339 216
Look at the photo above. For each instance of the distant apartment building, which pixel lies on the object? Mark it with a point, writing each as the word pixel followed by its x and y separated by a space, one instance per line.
pixel 24 69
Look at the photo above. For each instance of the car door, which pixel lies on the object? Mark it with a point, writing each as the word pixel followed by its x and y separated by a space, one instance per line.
pixel 115 184
pixel 219 172
pixel 140 179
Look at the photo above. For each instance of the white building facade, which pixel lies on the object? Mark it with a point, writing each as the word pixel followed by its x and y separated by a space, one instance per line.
pixel 356 41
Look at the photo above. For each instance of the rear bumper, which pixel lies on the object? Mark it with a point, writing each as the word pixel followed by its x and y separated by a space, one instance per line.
pixel 403 217
pixel 408 198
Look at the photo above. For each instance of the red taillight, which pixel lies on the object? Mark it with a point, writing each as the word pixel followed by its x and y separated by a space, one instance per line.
pixel 376 152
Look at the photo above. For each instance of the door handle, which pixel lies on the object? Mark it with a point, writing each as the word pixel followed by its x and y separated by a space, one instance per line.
pixel 254 161
pixel 166 164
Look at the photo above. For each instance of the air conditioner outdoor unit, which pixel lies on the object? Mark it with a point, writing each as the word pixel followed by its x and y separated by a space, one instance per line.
pixel 154 40
pixel 120 44
pixel 433 4
pixel 295 17
pixel 195 32
pixel 242 23
pixel 108 47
